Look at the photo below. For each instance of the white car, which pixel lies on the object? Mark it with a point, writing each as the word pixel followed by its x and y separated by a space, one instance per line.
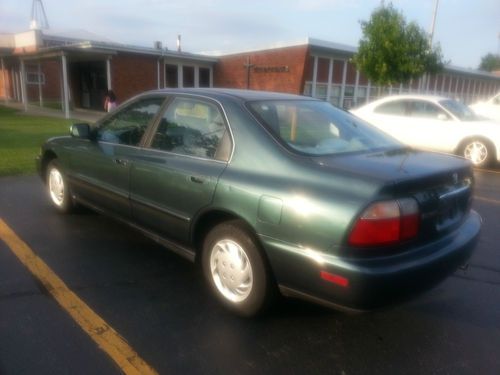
pixel 489 108
pixel 435 123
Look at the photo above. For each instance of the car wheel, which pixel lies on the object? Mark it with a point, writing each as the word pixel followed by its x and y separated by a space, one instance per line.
pixel 58 189
pixel 236 270
pixel 478 151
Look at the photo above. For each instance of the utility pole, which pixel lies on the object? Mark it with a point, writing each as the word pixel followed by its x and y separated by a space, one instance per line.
pixel 426 76
pixel 498 52
pixel 433 25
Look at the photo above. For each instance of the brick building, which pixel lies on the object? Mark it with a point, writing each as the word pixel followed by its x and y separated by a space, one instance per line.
pixel 40 67
pixel 322 69
pixel 44 68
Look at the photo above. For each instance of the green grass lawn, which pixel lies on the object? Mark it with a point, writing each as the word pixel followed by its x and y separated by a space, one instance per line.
pixel 20 139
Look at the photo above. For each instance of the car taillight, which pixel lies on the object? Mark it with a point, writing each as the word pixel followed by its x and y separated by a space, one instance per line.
pixel 386 222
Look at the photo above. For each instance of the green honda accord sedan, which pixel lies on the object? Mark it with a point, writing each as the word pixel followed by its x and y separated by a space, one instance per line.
pixel 272 194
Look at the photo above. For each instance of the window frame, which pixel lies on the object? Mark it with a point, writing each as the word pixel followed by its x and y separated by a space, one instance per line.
pixel 166 105
pixel 144 139
pixel 35 78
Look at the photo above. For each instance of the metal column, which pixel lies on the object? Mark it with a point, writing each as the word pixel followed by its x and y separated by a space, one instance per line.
pixel 24 96
pixel 330 78
pixel 180 76
pixel 315 77
pixel 108 73
pixel 356 88
pixel 158 73
pixel 196 76
pixel 65 85
pixel 40 97
pixel 342 89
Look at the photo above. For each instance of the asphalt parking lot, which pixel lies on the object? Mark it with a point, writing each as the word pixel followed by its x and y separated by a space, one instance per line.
pixel 158 304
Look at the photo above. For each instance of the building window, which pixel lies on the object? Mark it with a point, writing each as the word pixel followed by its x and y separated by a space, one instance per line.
pixel 188 76
pixel 335 95
pixel 321 91
pixel 171 79
pixel 204 77
pixel 34 78
pixel 323 70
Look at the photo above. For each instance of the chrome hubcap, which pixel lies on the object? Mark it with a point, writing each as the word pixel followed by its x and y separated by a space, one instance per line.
pixel 476 152
pixel 56 187
pixel 231 270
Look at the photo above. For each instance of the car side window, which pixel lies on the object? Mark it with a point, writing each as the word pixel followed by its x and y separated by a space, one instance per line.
pixel 192 127
pixel 128 125
pixel 423 109
pixel 394 108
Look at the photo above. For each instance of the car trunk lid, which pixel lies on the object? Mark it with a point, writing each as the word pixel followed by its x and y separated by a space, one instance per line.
pixel 441 184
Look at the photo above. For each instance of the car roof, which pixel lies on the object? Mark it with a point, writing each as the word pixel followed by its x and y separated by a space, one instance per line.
pixel 245 95
pixel 386 99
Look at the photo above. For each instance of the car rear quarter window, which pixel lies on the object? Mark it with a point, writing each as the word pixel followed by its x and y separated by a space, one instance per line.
pixel 459 110
pixel 425 109
pixel 192 127
pixel 128 125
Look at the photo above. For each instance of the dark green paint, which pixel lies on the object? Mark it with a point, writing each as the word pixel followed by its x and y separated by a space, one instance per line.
pixel 301 208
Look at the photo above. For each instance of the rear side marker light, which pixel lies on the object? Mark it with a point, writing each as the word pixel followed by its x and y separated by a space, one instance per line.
pixel 335 279
pixel 387 222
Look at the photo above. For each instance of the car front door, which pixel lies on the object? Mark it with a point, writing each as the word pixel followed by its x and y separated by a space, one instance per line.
pixel 177 175
pixel 101 167
pixel 432 128
pixel 393 118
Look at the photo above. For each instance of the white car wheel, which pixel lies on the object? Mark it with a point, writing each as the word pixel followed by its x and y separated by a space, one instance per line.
pixel 57 187
pixel 236 270
pixel 478 152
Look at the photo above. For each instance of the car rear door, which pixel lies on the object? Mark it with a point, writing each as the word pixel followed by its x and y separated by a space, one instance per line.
pixel 176 176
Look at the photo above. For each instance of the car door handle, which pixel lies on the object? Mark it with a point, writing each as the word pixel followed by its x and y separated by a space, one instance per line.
pixel 198 179
pixel 123 162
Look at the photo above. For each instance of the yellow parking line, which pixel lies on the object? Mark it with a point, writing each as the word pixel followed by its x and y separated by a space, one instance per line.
pixel 101 332
pixel 487 200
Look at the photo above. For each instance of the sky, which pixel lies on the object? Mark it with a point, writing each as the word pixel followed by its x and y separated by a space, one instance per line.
pixel 465 29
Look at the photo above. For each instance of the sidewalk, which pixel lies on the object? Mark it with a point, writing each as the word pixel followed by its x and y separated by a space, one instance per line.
pixel 78 114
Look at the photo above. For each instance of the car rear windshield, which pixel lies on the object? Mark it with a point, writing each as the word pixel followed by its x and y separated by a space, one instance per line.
pixel 318 128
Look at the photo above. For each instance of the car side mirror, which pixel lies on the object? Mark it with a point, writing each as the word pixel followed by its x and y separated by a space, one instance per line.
pixel 442 117
pixel 81 130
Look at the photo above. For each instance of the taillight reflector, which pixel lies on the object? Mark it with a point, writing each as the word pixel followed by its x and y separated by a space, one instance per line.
pixel 335 279
pixel 386 222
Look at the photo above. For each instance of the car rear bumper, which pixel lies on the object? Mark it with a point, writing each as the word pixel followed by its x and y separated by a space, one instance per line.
pixel 370 282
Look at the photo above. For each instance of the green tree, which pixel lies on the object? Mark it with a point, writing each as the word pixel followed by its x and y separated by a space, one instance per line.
pixel 393 51
pixel 490 62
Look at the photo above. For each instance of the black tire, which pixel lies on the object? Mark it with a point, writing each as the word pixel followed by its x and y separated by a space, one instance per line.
pixel 58 189
pixel 219 270
pixel 479 151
